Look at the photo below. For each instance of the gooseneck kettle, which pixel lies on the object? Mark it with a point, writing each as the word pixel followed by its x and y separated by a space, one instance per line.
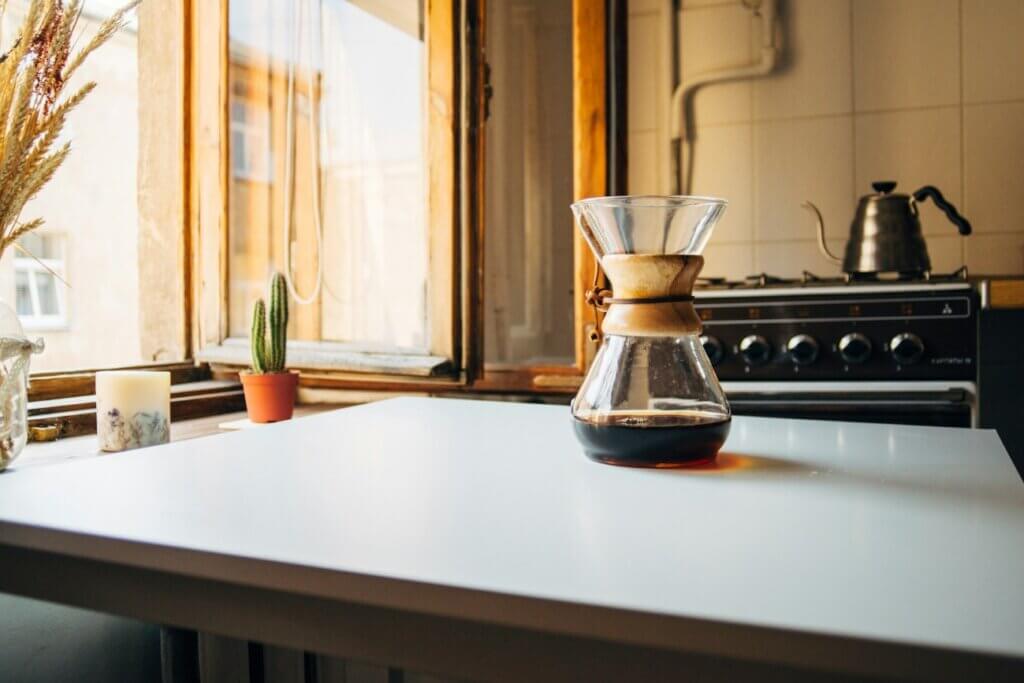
pixel 885 235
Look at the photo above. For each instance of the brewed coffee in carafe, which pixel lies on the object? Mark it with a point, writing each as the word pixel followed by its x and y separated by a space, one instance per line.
pixel 651 397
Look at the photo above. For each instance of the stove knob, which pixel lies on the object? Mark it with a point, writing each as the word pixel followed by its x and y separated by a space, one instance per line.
pixel 713 347
pixel 755 349
pixel 802 349
pixel 906 348
pixel 855 348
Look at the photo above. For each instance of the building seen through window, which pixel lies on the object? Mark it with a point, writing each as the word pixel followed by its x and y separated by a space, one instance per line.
pixel 91 212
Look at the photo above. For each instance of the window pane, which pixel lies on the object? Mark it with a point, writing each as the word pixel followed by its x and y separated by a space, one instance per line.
pixel 34 244
pixel 529 232
pixel 24 294
pixel 46 287
pixel 357 101
pixel 238 154
pixel 40 245
pixel 90 209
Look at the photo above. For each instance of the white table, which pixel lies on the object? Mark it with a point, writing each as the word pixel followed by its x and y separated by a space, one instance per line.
pixel 475 539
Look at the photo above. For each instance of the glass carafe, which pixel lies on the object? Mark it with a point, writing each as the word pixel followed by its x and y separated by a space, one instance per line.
pixel 651 397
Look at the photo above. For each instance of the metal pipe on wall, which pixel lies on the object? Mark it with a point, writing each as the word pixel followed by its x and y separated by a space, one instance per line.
pixel 682 130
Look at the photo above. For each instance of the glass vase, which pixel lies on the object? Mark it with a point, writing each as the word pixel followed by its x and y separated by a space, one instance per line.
pixel 15 354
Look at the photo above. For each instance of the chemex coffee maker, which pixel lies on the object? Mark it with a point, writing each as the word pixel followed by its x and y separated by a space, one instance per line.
pixel 651 397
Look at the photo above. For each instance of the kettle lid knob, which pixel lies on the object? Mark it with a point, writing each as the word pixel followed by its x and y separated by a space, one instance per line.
pixel 884 186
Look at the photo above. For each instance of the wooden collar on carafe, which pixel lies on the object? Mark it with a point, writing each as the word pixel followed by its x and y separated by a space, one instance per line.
pixel 653 295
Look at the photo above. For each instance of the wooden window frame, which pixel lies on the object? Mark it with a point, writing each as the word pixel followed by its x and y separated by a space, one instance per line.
pixel 449 263
pixel 598 59
pixel 63 404
pixel 457 94
pixel 190 158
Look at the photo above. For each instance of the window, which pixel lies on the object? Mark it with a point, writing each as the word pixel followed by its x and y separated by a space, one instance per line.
pixel 38 271
pixel 336 90
pixel 111 248
pixel 373 114
pixel 529 235
pixel 251 157
pixel 169 226
pixel 342 177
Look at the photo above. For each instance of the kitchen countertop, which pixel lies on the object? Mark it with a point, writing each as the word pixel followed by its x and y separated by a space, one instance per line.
pixel 824 546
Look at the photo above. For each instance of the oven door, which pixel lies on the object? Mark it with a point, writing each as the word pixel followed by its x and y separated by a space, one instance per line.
pixel 942 404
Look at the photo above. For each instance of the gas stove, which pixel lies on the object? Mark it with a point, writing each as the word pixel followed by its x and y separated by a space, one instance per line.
pixel 815 328
pixel 936 350
pixel 894 350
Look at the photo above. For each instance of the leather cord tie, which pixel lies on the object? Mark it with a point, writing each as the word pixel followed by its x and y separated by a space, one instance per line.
pixel 600 299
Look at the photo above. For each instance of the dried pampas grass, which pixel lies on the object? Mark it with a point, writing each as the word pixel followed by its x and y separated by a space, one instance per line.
pixel 33 73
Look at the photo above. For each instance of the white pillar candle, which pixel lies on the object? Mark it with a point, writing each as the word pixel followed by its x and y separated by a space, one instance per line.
pixel 133 408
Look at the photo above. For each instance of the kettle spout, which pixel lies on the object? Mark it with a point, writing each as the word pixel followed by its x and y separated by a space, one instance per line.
pixel 822 245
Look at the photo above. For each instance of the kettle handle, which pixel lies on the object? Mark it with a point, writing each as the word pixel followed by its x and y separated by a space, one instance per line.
pixel 932 192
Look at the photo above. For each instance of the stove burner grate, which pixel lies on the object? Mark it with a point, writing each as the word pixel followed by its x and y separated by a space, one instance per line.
pixel 808 278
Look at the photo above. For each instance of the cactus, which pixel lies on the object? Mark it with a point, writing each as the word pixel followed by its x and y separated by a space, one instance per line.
pixel 258 341
pixel 271 359
pixel 278 322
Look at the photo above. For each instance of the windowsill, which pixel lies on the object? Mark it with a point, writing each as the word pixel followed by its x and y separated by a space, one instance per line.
pixel 74 416
pixel 333 356
pixel 178 391
pixel 82 447
pixel 46 327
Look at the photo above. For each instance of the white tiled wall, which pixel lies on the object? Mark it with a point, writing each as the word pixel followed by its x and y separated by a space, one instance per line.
pixel 919 91
pixel 650 71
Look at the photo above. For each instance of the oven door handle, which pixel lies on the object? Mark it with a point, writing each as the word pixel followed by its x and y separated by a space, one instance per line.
pixel 845 397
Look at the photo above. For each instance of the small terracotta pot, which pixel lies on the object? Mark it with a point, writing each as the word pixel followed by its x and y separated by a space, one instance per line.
pixel 269 397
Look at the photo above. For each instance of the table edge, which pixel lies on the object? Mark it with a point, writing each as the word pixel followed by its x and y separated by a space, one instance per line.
pixel 669 632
